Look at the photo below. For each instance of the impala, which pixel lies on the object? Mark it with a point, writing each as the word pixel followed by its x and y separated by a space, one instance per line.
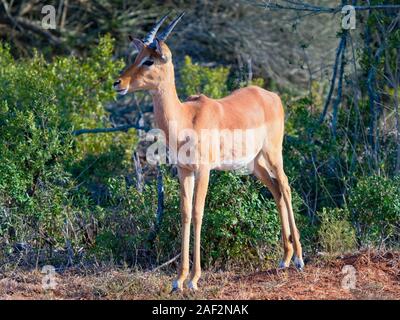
pixel 250 109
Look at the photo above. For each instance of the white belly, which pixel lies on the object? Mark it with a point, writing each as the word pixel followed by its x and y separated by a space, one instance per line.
pixel 245 163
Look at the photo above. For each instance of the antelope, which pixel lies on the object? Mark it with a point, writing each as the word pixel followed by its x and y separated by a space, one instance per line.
pixel 247 109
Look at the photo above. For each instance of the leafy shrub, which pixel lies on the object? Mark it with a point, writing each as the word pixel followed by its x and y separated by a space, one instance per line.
pixel 235 228
pixel 197 79
pixel 308 152
pixel 375 207
pixel 240 219
pixel 33 139
pixel 41 104
pixel 307 226
pixel 128 221
pixel 336 234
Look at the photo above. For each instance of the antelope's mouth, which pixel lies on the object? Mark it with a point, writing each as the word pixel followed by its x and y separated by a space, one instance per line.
pixel 122 92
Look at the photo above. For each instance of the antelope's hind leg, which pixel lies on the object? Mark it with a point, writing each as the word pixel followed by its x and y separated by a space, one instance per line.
pixel 275 164
pixel 262 173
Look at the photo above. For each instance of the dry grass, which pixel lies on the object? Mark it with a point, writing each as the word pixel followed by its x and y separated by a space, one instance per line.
pixel 378 277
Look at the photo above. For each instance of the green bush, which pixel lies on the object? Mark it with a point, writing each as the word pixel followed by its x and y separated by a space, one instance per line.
pixel 195 79
pixel 375 207
pixel 239 221
pixel 41 201
pixel 127 222
pixel 34 143
pixel 234 228
pixel 307 226
pixel 336 234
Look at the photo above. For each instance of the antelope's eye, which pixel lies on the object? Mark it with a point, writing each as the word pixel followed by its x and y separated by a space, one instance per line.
pixel 148 63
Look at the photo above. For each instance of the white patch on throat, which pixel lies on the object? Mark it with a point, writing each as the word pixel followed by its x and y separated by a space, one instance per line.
pixel 124 92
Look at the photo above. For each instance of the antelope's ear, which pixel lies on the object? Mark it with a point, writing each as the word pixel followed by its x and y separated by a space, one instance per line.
pixel 137 43
pixel 158 49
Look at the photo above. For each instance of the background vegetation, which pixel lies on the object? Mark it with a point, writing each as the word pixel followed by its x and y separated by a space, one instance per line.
pixel 70 195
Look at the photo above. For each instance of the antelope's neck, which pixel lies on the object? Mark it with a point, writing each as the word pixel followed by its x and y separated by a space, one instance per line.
pixel 167 106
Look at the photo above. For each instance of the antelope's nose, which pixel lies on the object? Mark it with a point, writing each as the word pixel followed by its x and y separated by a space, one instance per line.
pixel 116 83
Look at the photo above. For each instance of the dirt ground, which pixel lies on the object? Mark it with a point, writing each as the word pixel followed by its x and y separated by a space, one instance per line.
pixel 375 276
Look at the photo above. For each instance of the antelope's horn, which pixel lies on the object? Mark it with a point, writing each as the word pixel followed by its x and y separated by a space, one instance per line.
pixel 164 35
pixel 149 38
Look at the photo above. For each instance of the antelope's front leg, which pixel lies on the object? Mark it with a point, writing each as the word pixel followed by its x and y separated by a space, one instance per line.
pixel 186 179
pixel 201 186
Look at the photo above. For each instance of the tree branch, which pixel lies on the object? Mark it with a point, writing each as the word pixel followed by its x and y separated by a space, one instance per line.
pixel 333 80
pixel 104 130
pixel 340 86
pixel 301 6
pixel 166 263
pixel 27 24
